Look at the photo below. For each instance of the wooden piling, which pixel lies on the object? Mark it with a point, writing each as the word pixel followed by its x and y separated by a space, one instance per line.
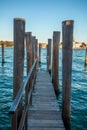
pixel 49 54
pixel 40 45
pixel 36 50
pixel 2 53
pixel 28 37
pixel 86 58
pixel 67 39
pixel 33 48
pixel 47 59
pixel 19 33
pixel 36 43
pixel 55 67
pixel 29 50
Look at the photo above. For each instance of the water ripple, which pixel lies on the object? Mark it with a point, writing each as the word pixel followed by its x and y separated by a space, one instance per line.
pixel 79 88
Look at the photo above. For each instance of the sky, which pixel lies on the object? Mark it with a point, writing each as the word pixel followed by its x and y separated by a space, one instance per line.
pixel 43 17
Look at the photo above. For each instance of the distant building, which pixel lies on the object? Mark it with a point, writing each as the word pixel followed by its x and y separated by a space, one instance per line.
pixel 78 45
pixel 43 45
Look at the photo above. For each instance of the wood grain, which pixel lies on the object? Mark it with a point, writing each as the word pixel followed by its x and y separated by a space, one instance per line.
pixel 44 114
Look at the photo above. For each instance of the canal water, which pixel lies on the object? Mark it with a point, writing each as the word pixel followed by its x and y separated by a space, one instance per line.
pixel 79 88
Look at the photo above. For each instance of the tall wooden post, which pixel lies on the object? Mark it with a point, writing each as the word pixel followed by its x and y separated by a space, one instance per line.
pixel 19 33
pixel 40 45
pixel 55 68
pixel 37 50
pixel 35 46
pixel 33 49
pixel 49 54
pixel 47 59
pixel 67 39
pixel 86 58
pixel 28 37
pixel 36 43
pixel 29 50
pixel 2 53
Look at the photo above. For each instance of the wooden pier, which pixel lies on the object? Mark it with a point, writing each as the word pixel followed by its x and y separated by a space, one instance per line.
pixel 40 109
pixel 44 113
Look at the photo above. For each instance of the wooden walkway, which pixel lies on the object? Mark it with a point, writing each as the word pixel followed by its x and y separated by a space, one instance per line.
pixel 44 113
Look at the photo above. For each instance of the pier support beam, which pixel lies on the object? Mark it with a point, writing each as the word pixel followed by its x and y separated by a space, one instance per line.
pixel 49 54
pixel 36 44
pixel 67 39
pixel 55 68
pixel 28 37
pixel 19 33
pixel 40 45
pixel 86 59
pixel 2 53
pixel 29 50
pixel 47 59
pixel 33 49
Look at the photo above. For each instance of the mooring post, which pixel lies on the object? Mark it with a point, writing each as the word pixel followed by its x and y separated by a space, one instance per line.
pixel 33 49
pixel 33 58
pixel 47 59
pixel 67 39
pixel 40 45
pixel 19 33
pixel 29 50
pixel 36 56
pixel 28 37
pixel 36 48
pixel 55 67
pixel 86 58
pixel 37 51
pixel 2 53
pixel 36 43
pixel 49 54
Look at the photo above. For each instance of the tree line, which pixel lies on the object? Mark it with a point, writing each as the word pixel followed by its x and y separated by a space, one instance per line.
pixel 7 43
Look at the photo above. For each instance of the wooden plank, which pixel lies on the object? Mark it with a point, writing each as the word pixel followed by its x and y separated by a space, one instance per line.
pixel 46 123
pixel 37 128
pixel 44 114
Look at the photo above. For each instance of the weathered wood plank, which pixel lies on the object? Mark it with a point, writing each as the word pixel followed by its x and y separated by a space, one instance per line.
pixel 44 113
pixel 46 123
pixel 37 128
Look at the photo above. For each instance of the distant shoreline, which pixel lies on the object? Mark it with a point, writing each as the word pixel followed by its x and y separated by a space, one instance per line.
pixel 45 48
pixel 10 44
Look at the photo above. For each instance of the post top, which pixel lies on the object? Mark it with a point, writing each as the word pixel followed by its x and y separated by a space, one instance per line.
pixel 33 37
pixel 68 22
pixel 29 33
pixel 49 39
pixel 19 19
pixel 56 31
